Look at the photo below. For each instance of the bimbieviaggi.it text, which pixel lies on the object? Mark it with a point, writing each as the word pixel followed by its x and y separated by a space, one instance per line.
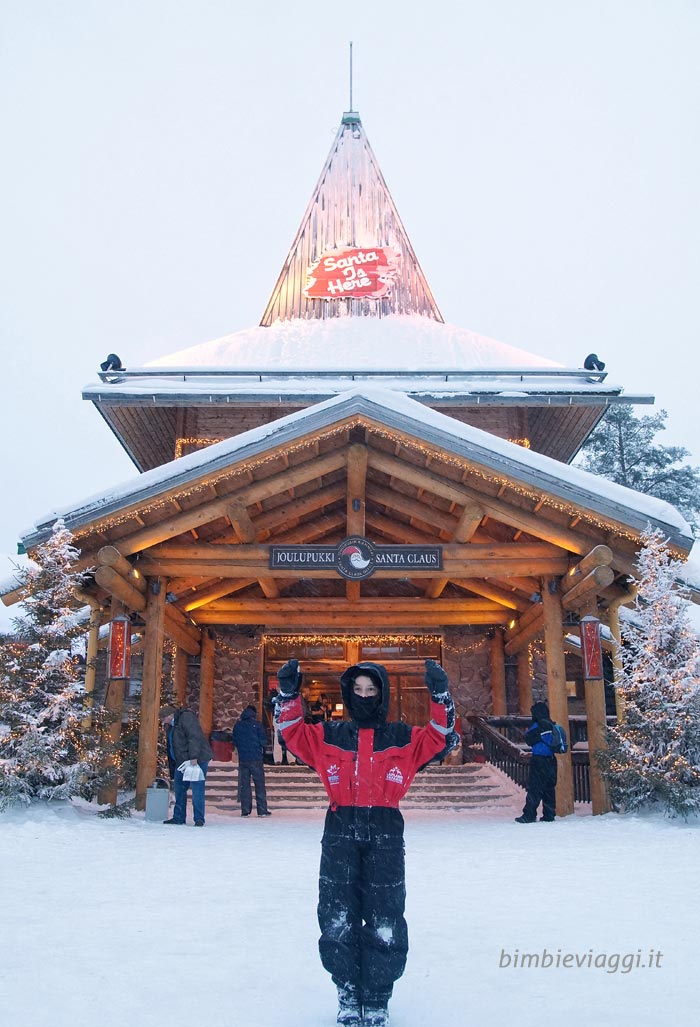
pixel 611 962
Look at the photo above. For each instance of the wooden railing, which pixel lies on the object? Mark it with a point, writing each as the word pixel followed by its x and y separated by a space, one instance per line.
pixel 503 739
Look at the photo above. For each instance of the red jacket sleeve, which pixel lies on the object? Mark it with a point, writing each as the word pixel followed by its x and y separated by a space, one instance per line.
pixel 302 740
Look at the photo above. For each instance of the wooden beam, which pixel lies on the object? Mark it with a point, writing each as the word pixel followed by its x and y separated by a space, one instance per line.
pixel 372 605
pixel 288 512
pixel 180 677
pixel 469 521
pixel 498 676
pixel 355 504
pixel 109 556
pixel 114 707
pixel 370 621
pixel 593 583
pixel 503 596
pixel 524 683
pixel 205 595
pixel 211 510
pixel 206 683
pixel 596 717
pixel 151 678
pixel 532 523
pixel 556 688
pixel 393 499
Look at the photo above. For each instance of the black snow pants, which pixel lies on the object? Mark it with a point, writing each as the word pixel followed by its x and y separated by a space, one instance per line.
pixel 540 788
pixel 248 769
pixel 362 895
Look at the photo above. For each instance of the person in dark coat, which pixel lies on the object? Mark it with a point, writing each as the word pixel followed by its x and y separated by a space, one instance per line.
pixel 366 766
pixel 186 744
pixel 542 782
pixel 249 739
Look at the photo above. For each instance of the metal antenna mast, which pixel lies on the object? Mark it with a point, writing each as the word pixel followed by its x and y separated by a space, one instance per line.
pixel 351 75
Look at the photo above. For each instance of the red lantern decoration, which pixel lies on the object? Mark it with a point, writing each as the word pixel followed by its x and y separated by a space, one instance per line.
pixel 591 649
pixel 119 647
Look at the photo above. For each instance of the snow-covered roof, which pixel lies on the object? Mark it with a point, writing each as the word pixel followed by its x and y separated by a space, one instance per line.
pixel 407 343
pixel 315 359
pixel 576 486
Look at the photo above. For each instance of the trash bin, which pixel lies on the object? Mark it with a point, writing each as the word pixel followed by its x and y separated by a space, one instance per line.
pixel 157 800
pixel 221 746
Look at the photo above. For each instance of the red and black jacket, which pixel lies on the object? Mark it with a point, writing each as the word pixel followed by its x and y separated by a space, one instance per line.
pixel 367 766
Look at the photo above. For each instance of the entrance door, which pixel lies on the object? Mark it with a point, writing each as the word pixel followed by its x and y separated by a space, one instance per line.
pixel 410 699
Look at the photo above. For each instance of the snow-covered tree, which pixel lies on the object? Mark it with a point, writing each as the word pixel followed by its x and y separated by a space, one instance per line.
pixel 46 751
pixel 654 753
pixel 622 448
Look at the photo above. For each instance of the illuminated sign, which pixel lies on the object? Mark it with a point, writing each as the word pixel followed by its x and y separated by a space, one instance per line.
pixel 356 558
pixel 591 648
pixel 119 647
pixel 352 271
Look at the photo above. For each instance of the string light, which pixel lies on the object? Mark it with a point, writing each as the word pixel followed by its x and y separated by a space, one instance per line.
pixel 199 443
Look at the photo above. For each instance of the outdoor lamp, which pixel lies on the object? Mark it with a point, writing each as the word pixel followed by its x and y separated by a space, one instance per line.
pixel 591 648
pixel 119 647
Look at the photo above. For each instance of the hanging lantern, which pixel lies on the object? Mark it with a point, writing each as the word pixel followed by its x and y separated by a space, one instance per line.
pixel 119 647
pixel 591 649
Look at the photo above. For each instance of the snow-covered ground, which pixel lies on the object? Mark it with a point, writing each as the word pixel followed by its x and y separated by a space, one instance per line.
pixel 114 923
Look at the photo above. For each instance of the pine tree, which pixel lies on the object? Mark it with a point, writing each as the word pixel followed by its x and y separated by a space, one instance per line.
pixel 654 753
pixel 622 448
pixel 46 752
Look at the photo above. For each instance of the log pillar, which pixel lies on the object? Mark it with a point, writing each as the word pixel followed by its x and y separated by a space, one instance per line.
pixel 206 683
pixel 594 691
pixel 556 687
pixel 613 615
pixel 180 677
pixel 498 675
pixel 154 616
pixel 91 658
pixel 114 709
pixel 524 683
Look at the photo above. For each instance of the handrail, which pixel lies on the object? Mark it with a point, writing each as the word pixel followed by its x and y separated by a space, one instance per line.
pixel 117 376
pixel 513 758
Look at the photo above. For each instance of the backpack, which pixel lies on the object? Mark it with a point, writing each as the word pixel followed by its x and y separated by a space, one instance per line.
pixel 558 742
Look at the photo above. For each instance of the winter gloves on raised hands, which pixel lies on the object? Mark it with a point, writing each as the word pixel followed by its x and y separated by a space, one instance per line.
pixel 436 680
pixel 289 678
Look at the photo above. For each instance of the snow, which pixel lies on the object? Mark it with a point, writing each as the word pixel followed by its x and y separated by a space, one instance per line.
pixel 509 457
pixel 114 922
pixel 410 343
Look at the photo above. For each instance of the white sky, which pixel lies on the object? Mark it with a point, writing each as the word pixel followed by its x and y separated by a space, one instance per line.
pixel 158 157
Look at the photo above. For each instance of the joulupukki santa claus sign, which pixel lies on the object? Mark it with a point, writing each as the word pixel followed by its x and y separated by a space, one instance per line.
pixel 352 271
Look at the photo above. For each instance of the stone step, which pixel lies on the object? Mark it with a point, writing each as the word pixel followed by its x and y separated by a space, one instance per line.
pixel 297 787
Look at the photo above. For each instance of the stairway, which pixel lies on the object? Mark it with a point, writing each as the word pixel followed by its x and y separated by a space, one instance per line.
pixel 470 786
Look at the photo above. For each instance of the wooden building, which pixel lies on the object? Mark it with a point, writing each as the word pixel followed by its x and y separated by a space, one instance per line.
pixel 356 479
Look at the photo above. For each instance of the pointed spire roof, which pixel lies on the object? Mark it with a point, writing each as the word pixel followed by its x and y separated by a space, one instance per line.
pixel 351 246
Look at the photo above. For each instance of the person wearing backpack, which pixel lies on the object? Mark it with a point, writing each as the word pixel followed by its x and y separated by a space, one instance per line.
pixel 545 738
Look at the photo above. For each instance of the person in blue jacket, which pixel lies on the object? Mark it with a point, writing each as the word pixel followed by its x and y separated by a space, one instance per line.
pixel 542 783
pixel 249 739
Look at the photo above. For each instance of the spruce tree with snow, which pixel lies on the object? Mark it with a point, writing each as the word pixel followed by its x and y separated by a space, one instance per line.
pixel 654 751
pixel 46 752
pixel 622 448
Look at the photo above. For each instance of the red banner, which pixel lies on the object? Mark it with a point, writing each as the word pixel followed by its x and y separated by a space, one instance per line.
pixel 591 649
pixel 119 647
pixel 352 271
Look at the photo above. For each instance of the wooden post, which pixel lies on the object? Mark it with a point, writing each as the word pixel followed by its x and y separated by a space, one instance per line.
pixel 180 677
pixel 556 688
pixel 597 741
pixel 90 655
pixel 206 683
pixel 150 688
pixel 524 683
pixel 114 707
pixel 498 675
pixel 613 614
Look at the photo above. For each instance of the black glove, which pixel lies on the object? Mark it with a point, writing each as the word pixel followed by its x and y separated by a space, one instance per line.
pixel 289 678
pixel 436 679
